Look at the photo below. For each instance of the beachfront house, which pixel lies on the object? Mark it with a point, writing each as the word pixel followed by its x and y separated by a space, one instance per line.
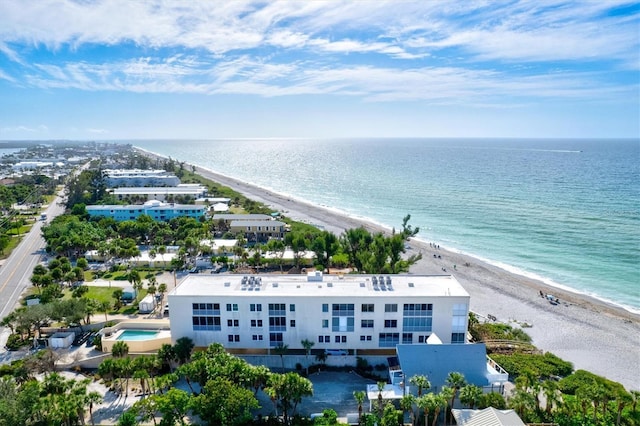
pixel 258 230
pixel 155 209
pixel 437 359
pixel 353 314
pixel 254 227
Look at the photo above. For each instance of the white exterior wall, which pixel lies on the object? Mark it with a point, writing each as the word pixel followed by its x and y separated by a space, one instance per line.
pixel 308 314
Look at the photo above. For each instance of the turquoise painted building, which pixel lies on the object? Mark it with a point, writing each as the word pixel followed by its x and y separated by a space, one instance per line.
pixel 157 210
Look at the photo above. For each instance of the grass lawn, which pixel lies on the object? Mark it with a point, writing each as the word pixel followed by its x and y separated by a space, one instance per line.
pixel 13 243
pixel 102 294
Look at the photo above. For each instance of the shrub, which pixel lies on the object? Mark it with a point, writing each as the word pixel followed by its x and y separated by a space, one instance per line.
pixel 542 366
pixel 15 342
pixel 97 342
pixel 581 378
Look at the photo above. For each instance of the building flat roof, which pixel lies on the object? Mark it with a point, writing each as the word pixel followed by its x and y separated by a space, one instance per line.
pixel 145 207
pixel 316 284
pixel 159 190
pixel 248 216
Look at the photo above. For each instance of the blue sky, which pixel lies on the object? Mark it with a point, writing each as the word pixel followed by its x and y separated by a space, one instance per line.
pixel 121 69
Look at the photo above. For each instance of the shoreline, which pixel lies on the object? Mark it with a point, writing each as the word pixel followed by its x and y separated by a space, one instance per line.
pixel 593 334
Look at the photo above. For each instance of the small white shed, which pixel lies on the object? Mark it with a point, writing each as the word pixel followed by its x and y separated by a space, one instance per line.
pixel 62 339
pixel 146 305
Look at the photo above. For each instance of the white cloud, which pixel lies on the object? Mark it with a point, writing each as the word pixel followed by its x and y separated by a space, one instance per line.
pixel 97 131
pixel 25 129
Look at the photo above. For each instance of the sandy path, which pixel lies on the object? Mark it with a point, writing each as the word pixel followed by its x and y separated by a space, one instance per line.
pixel 595 336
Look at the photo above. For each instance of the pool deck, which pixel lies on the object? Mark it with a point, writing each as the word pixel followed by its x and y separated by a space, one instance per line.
pixel 112 335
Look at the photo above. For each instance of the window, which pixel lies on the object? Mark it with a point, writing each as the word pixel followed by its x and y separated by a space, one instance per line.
pixel 407 338
pixel 342 324
pixel 458 324
pixel 418 309
pixel 367 307
pixel 388 340
pixel 292 323
pixel 327 339
pixel 391 307
pixel 275 339
pixel 422 339
pixel 255 307
pixel 342 309
pixel 460 309
pixel 277 323
pixel 417 317
pixel 320 339
pixel 207 323
pixel 366 323
pixel 417 324
pixel 325 323
pixel 459 319
pixel 292 307
pixel 344 339
pixel 337 339
pixel 256 323
pixel 277 309
pixel 257 337
pixel 325 307
pixel 233 338
pixel 342 317
pixel 362 338
pixel 205 309
pixel 232 307
pixel 457 337
pixel 390 323
pixel 233 323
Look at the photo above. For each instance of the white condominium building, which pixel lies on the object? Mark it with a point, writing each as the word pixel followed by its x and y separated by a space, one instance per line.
pixel 368 314
pixel 136 177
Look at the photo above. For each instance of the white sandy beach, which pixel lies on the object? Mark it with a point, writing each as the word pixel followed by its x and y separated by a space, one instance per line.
pixel 595 336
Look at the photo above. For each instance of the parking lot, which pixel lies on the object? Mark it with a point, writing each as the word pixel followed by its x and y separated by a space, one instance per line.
pixel 331 389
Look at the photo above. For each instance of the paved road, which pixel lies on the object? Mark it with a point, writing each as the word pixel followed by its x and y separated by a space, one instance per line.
pixel 16 271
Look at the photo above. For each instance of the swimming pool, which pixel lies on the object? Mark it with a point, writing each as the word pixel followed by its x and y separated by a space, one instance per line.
pixel 137 335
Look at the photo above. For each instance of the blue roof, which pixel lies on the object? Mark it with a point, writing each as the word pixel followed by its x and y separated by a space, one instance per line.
pixel 437 361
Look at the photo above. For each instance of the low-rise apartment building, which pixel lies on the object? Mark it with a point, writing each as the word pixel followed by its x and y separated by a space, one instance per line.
pixel 157 210
pixel 183 191
pixel 136 177
pixel 359 314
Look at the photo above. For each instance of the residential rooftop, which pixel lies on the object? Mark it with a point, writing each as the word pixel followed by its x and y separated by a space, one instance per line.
pixel 317 284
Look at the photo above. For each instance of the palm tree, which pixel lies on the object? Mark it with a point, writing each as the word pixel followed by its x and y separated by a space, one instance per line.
pixel 182 349
pixel 281 350
pixel 104 306
pixel 406 404
pixel 550 389
pixel 622 398
pixel 456 381
pixel 360 397
pixel 119 349
pixel 448 394
pixel 521 401
pixel 421 382
pixel 470 395
pixel 381 386
pixel 635 396
pixel 439 401
pixel 93 398
pixel 307 345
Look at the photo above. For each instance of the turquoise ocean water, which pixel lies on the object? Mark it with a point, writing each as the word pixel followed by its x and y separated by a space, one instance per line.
pixel 565 211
